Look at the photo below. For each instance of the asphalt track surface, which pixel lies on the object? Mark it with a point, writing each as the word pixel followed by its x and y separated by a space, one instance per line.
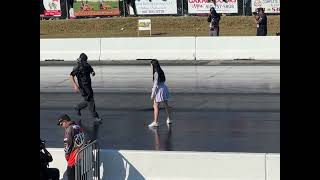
pixel 214 108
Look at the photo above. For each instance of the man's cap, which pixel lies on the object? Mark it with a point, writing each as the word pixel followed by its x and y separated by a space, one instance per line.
pixel 260 9
pixel 63 117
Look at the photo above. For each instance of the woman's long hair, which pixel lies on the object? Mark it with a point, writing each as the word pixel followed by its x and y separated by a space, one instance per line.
pixel 157 68
pixel 213 12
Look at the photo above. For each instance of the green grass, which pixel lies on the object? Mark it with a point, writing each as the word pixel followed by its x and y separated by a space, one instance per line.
pixel 161 26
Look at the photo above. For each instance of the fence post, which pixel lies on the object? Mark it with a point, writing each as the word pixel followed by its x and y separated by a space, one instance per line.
pixel 243 8
pixel 182 1
pixel 124 8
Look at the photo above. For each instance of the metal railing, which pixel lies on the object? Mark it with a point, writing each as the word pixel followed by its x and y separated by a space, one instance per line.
pixel 87 165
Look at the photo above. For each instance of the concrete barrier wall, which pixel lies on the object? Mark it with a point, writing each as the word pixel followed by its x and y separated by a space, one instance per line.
pixel 163 48
pixel 59 161
pixel 69 49
pixel 173 165
pixel 182 165
pixel 273 166
pixel 238 47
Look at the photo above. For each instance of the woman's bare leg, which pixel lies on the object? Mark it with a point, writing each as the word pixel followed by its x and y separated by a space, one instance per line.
pixel 156 111
pixel 166 106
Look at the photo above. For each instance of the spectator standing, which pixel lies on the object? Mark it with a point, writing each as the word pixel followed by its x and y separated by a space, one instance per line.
pixel 213 19
pixel 73 141
pixel 261 21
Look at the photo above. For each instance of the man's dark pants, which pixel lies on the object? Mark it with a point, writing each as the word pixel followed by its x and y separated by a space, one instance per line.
pixel 71 173
pixel 261 31
pixel 87 94
pixel 51 173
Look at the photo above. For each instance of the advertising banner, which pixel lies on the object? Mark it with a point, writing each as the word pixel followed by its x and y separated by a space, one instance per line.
pixel 150 7
pixel 203 6
pixel 50 8
pixel 96 8
pixel 270 6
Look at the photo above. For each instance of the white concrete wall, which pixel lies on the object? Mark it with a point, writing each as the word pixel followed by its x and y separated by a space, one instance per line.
pixel 59 161
pixel 173 165
pixel 273 166
pixel 167 165
pixel 69 49
pixel 238 47
pixel 161 48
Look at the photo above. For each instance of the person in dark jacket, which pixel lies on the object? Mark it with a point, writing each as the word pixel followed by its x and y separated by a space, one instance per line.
pixel 41 7
pixel 47 173
pixel 213 19
pixel 82 72
pixel 131 3
pixel 261 21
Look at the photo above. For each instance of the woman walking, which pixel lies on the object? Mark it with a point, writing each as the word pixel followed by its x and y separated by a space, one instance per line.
pixel 160 93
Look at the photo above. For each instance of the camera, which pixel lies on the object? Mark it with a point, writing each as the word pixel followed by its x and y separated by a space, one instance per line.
pixel 256 11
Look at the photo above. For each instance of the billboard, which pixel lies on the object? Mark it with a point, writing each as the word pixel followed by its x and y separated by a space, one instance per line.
pixel 96 8
pixel 203 6
pixel 149 7
pixel 270 6
pixel 50 8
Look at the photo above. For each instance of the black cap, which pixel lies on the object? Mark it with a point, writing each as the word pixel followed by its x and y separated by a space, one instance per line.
pixel 260 9
pixel 63 117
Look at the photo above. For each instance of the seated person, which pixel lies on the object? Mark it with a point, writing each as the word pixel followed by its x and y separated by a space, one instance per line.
pixel 47 173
